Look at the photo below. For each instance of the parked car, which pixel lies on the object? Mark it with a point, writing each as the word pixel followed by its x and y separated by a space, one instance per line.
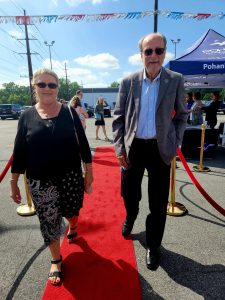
pixel 25 107
pixel 89 109
pixel 10 111
pixel 222 106
pixel 107 109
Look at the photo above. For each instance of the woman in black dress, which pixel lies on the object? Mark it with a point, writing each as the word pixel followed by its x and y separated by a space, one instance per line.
pixel 99 118
pixel 47 149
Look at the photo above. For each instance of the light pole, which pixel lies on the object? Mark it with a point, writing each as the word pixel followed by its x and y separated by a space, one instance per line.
pixel 175 42
pixel 50 45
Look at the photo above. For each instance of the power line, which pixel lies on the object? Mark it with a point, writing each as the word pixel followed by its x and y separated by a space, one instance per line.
pixel 9 70
pixel 38 44
pixel 5 60
pixel 17 6
pixel 8 48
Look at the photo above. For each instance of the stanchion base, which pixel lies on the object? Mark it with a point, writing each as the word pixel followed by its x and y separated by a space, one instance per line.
pixel 177 209
pixel 25 210
pixel 203 169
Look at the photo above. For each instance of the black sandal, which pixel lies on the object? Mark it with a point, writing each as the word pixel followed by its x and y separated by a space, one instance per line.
pixel 56 273
pixel 71 236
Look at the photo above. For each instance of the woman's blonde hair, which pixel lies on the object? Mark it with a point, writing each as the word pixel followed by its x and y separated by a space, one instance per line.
pixel 100 98
pixel 76 101
pixel 42 71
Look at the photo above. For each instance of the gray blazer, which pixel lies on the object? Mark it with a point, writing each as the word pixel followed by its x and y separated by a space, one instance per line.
pixel 169 131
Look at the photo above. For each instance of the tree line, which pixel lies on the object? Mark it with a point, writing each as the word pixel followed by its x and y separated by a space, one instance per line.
pixel 13 93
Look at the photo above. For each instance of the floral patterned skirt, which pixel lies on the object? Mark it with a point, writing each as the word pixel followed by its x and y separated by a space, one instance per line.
pixel 55 199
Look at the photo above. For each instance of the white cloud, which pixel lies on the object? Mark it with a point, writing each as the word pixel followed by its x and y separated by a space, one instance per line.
pixel 78 2
pixel 16 34
pixel 104 74
pixel 124 74
pixel 87 78
pixel 21 81
pixel 97 84
pixel 82 76
pixel 100 61
pixel 54 3
pixel 168 57
pixel 135 59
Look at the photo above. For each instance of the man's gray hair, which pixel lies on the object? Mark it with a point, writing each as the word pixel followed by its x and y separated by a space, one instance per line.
pixel 155 33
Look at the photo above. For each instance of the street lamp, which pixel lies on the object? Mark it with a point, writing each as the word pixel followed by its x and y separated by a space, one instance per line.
pixel 175 42
pixel 49 45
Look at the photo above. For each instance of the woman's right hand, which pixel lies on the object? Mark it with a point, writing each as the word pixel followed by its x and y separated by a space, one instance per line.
pixel 15 192
pixel 88 178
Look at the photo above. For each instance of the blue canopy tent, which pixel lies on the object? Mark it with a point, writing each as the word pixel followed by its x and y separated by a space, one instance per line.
pixel 203 64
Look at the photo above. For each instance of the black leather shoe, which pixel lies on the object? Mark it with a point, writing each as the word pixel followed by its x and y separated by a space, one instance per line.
pixel 152 259
pixel 127 227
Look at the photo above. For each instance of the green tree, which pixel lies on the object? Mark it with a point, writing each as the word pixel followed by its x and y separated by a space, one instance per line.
pixel 67 90
pixel 74 86
pixel 222 94
pixel 115 84
pixel 13 93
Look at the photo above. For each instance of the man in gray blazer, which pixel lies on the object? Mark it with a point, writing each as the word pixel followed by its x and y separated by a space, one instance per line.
pixel 149 122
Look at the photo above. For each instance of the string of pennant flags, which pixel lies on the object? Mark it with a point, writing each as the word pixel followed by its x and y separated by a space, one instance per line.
pixel 22 20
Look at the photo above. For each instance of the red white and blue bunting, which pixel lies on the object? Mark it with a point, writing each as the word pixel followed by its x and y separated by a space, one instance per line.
pixel 22 20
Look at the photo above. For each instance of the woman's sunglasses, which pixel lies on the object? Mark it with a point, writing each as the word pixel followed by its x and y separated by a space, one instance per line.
pixel 149 51
pixel 43 85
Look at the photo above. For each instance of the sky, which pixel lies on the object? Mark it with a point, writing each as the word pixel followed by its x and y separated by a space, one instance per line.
pixel 95 53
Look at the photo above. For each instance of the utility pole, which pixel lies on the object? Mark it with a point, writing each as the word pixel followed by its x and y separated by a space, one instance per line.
pixel 29 62
pixel 156 16
pixel 67 86
pixel 28 59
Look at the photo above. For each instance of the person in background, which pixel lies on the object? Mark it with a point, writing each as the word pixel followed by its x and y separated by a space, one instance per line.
pixel 211 110
pixel 83 115
pixel 63 101
pixel 196 114
pixel 99 118
pixel 146 134
pixel 47 151
pixel 189 102
pixel 80 95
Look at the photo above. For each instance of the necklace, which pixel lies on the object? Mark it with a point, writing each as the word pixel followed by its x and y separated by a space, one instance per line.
pixel 48 112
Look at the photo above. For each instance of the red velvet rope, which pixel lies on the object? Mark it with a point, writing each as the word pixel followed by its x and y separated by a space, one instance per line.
pixel 6 168
pixel 198 186
pixel 194 180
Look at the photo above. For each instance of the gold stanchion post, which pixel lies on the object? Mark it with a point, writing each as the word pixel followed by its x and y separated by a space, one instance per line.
pixel 26 209
pixel 200 167
pixel 174 208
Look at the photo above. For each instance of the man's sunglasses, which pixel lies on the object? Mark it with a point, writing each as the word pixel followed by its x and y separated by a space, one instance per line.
pixel 43 85
pixel 149 51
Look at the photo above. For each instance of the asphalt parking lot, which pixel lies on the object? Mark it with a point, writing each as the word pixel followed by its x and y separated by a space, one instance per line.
pixel 193 261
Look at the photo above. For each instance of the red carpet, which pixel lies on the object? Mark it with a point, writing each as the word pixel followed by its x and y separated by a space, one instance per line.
pixel 101 265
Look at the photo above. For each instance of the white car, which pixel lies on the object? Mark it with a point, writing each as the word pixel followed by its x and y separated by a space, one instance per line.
pixel 25 107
